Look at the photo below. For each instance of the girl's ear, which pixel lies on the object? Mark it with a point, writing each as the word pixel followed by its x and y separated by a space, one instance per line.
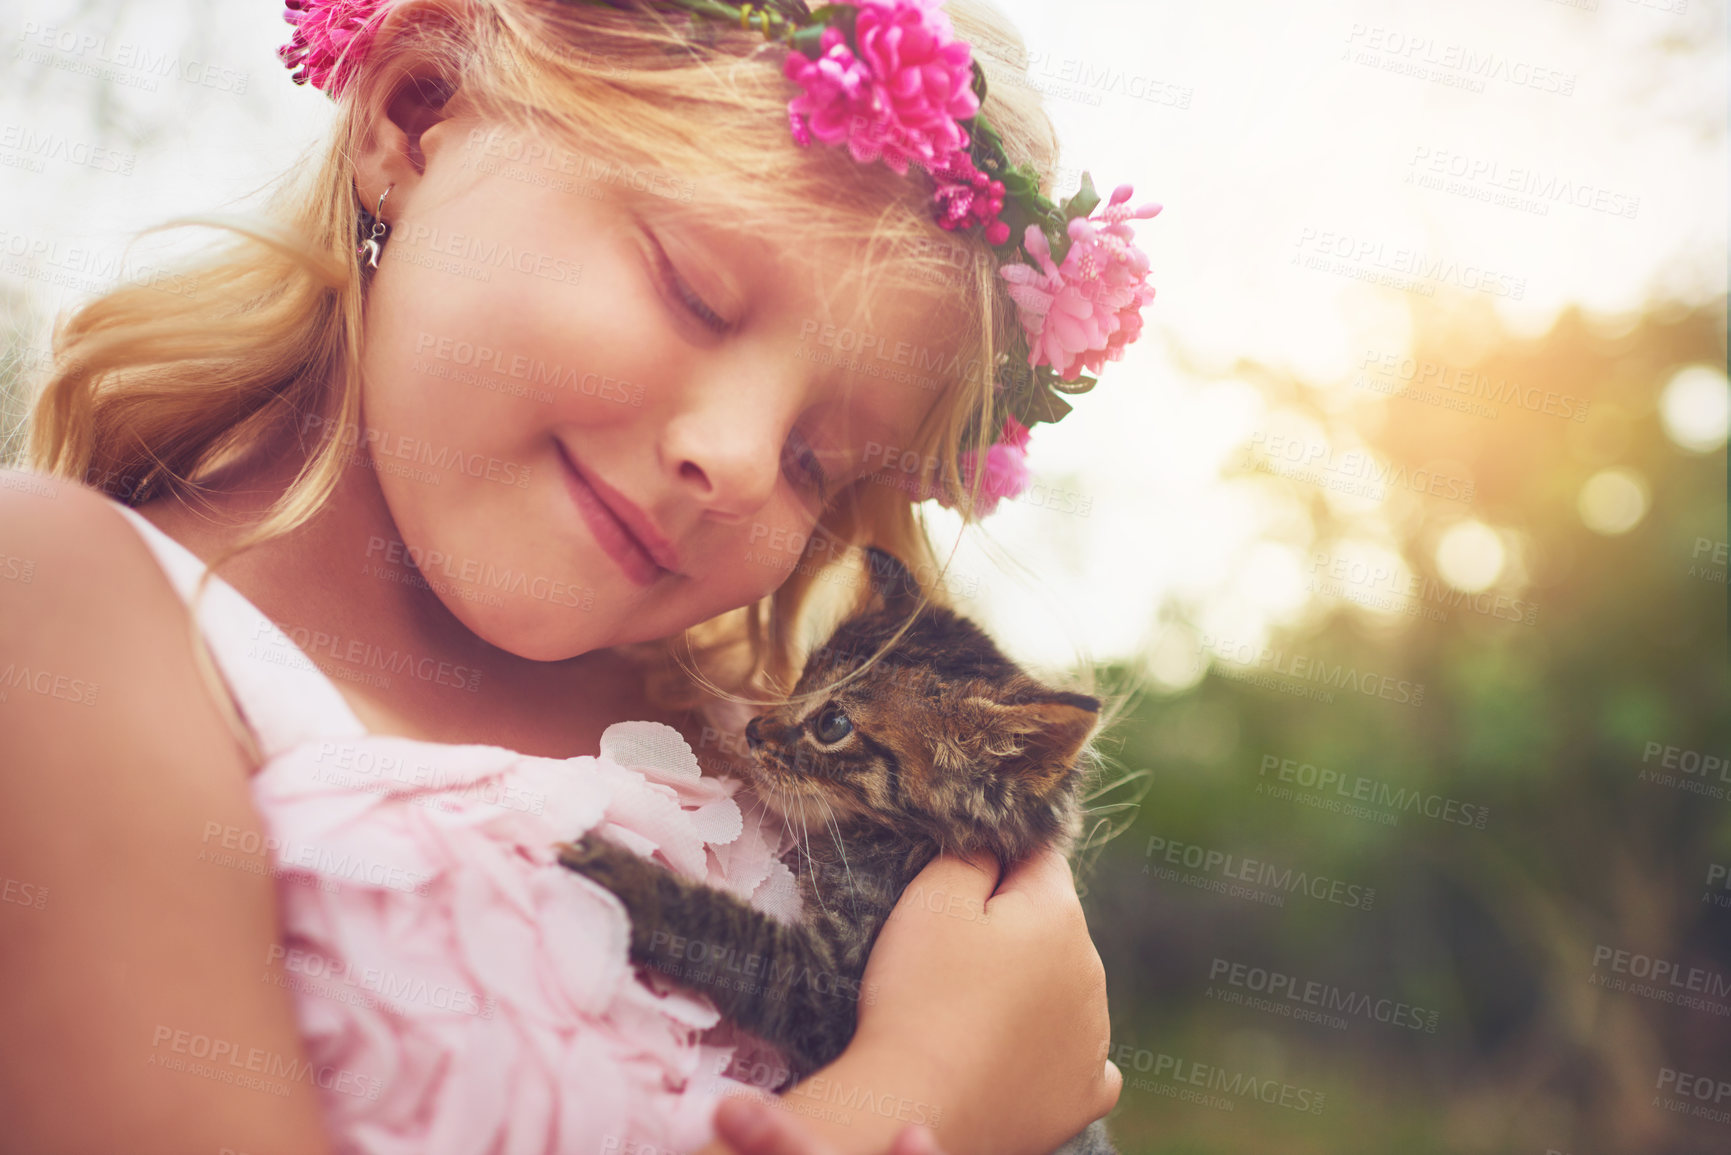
pixel 408 96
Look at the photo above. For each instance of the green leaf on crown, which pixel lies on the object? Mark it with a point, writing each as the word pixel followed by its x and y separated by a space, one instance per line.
pixel 1083 202
pixel 978 84
pixel 1039 405
pixel 808 40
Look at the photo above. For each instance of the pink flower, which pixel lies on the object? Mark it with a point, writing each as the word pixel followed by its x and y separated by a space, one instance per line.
pixel 1007 473
pixel 901 98
pixel 331 37
pixel 1082 314
pixel 966 197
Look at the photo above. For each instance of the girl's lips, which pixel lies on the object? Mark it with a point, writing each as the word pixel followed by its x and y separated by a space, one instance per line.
pixel 616 539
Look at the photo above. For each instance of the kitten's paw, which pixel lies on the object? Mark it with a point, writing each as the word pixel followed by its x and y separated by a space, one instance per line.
pixel 595 857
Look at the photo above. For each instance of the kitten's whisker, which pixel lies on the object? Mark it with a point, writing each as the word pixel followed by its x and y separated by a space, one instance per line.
pixel 811 863
pixel 847 871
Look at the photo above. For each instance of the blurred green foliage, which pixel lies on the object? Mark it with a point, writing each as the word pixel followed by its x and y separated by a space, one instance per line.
pixel 1496 930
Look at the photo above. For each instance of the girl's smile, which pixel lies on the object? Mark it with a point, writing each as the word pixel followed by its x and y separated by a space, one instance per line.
pixel 643 553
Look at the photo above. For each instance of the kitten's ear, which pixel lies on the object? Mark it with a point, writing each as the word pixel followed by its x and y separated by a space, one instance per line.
pixel 1050 731
pixel 892 585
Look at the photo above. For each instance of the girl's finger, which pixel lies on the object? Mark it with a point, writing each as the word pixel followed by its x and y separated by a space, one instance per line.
pixel 915 1140
pixel 754 1128
pixel 1044 877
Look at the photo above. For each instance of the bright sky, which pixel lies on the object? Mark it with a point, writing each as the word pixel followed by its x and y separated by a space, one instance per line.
pixel 1269 130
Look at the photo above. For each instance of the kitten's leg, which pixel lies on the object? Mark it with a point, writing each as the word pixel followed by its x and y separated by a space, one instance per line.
pixel 775 980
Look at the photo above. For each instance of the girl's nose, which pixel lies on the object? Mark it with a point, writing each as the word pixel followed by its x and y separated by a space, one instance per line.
pixel 728 454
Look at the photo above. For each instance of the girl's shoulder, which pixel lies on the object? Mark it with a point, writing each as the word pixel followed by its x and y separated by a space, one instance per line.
pixel 90 625
pixel 119 777
pixel 61 543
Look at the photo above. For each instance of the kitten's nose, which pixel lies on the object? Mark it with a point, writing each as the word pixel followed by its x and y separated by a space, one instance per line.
pixel 752 738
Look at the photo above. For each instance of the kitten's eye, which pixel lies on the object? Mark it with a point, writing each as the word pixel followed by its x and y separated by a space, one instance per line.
pixel 832 726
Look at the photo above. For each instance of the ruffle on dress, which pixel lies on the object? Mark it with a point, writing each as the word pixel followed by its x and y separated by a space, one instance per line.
pixel 461 993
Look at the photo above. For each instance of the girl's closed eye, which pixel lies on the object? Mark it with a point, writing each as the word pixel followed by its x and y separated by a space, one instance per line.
pixel 683 296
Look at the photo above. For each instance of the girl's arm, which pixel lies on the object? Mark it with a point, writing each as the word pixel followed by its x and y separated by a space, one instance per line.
pixel 989 1023
pixel 134 956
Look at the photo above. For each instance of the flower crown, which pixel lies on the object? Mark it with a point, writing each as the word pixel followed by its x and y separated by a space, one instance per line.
pixel 889 79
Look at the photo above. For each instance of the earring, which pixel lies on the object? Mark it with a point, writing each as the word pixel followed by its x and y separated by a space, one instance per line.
pixel 373 232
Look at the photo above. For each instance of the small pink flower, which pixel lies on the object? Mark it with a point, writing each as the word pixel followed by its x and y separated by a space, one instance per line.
pixel 1082 314
pixel 1007 473
pixel 966 197
pixel 835 84
pixel 331 37
pixel 900 99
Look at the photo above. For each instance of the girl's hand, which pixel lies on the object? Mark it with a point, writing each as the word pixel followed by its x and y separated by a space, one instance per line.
pixel 749 1127
pixel 988 1007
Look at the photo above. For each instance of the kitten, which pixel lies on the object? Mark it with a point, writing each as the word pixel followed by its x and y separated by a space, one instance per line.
pixel 943 745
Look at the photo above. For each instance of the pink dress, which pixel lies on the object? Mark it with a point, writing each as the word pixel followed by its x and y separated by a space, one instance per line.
pixel 459 992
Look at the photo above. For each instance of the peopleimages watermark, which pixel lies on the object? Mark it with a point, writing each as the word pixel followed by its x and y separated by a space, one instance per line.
pixel 1698 1096
pixel 1230 868
pixel 475 257
pixel 120 62
pixel 529 372
pixel 818 1096
pixel 1303 674
pixel 384 449
pixel 312 972
pixel 1309 1000
pixel 1660 979
pixel 355 765
pixel 1458 387
pixel 1176 1077
pixel 328 864
pixel 1383 801
pixel 83 268
pixel 359 660
pixel 561 169
pixel 19 893
pixel 1398 267
pixel 460 574
pixel 1717 554
pixel 1519 187
pixel 909 471
pixel 879 356
pixel 1696 772
pixel 1452 65
pixel 1355 471
pixel 1074 78
pixel 17 569
pixel 32 148
pixel 1718 876
pixel 1388 586
pixel 725 966
pixel 16 677
pixel 226 1061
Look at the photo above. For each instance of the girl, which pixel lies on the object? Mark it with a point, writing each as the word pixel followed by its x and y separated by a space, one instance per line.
pixel 567 450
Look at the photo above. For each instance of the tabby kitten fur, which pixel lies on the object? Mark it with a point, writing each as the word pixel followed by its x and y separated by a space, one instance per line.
pixel 941 745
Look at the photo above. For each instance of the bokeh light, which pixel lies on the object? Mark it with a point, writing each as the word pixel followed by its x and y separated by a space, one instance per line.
pixel 1696 408
pixel 1613 501
pixel 1470 556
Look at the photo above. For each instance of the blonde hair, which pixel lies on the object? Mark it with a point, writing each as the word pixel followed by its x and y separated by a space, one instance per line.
pixel 152 391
